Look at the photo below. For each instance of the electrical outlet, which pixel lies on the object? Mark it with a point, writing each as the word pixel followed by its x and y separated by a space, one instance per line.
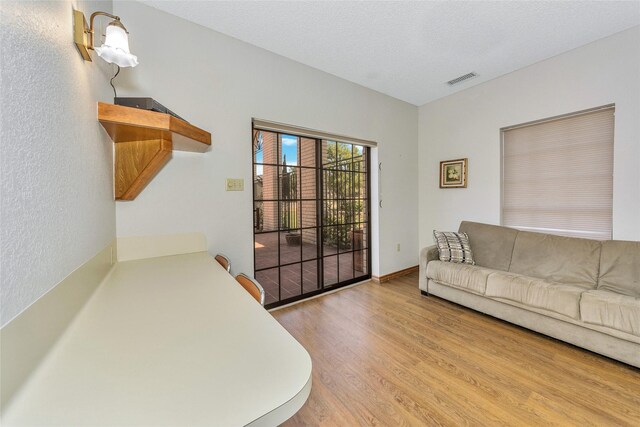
pixel 235 184
pixel 398 247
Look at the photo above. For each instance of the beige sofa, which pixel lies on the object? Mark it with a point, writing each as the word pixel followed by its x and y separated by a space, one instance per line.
pixel 584 292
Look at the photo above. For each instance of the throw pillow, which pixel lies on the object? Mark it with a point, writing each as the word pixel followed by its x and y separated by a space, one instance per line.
pixel 453 247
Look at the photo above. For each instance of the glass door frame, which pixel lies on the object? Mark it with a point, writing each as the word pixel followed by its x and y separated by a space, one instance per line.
pixel 320 226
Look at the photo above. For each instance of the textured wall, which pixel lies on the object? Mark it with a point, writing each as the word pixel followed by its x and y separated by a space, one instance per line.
pixel 467 124
pixel 219 84
pixel 57 208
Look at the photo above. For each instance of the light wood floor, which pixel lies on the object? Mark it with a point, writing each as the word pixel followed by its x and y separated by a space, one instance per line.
pixel 384 355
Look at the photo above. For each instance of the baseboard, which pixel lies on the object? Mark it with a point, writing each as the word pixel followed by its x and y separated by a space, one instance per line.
pixel 394 275
pixel 26 339
pixel 142 247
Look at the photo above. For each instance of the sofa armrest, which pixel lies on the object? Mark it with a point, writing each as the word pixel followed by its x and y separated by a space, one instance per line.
pixel 430 253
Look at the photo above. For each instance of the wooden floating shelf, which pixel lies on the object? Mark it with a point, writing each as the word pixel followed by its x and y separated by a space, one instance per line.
pixel 144 142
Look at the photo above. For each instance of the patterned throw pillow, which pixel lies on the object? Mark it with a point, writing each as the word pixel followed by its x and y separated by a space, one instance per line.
pixel 453 247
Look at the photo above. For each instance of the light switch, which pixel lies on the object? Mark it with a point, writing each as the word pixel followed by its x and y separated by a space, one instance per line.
pixel 235 184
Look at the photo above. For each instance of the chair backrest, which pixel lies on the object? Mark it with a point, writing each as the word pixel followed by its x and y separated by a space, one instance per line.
pixel 224 262
pixel 253 287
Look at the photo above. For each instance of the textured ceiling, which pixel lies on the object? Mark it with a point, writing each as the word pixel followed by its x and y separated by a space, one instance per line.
pixel 408 50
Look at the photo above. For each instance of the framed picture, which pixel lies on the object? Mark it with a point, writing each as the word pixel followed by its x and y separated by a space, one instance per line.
pixel 453 173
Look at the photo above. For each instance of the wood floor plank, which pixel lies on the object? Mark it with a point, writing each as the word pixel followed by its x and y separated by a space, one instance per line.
pixel 467 371
pixel 480 338
pixel 341 352
pixel 385 355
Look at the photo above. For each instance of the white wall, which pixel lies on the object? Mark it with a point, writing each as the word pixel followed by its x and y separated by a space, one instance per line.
pixel 467 124
pixel 219 83
pixel 57 208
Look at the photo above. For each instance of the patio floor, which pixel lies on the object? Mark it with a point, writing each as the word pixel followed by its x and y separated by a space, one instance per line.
pixel 301 277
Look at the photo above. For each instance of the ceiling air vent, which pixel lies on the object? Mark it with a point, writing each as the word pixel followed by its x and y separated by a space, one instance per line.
pixel 461 79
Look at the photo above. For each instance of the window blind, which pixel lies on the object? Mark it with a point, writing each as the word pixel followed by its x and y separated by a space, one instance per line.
pixel 558 175
pixel 311 133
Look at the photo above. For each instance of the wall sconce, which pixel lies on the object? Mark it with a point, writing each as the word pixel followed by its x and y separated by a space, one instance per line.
pixel 115 48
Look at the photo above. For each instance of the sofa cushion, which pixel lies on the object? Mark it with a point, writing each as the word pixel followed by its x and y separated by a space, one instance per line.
pixel 620 267
pixel 463 276
pixel 620 312
pixel 556 297
pixel 566 260
pixel 491 244
pixel 453 247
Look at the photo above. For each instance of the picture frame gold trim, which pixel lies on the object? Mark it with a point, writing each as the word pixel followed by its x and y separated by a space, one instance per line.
pixel 453 173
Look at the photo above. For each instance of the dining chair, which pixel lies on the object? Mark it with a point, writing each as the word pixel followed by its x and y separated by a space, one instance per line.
pixel 224 262
pixel 252 286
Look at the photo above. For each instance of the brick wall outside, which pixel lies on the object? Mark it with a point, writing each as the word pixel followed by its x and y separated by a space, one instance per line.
pixel 308 188
pixel 269 181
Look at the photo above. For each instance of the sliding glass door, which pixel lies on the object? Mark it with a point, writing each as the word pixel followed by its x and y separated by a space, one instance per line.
pixel 310 214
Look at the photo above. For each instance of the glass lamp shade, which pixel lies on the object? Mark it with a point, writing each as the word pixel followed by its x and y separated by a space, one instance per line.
pixel 115 48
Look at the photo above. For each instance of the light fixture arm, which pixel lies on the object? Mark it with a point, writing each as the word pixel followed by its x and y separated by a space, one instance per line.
pixel 90 31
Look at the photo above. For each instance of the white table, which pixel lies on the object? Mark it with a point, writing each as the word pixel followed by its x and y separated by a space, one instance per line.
pixel 168 341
